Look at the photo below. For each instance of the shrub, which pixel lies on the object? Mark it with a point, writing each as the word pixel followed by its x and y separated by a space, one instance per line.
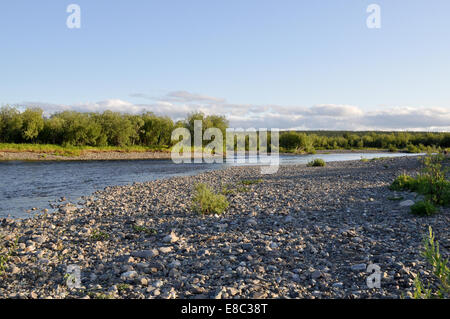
pixel 393 149
pixel 403 182
pixel 431 183
pixel 441 271
pixel 423 208
pixel 412 148
pixel 317 162
pixel 206 201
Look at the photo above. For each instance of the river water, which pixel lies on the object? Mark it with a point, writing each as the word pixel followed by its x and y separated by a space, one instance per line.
pixel 24 185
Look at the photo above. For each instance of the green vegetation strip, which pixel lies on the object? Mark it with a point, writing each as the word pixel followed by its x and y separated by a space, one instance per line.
pixel 432 183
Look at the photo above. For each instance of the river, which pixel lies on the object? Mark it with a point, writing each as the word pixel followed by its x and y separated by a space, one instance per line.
pixel 24 185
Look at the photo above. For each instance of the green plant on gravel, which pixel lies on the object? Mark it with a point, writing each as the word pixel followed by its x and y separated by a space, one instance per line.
pixel 318 162
pixel 423 208
pixel 98 235
pixel 6 254
pixel 228 189
pixel 432 182
pixel 206 201
pixel 402 183
pixel 123 287
pixel 144 229
pixel 99 295
pixel 248 182
pixel 441 271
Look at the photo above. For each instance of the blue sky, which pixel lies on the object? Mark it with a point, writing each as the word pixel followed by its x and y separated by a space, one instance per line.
pixel 306 64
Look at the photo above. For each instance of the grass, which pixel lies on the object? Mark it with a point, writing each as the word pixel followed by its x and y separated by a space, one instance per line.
pixel 248 182
pixel 5 256
pixel 318 162
pixel 230 189
pixel 123 287
pixel 143 229
pixel 440 270
pixel 50 149
pixel 206 201
pixel 98 235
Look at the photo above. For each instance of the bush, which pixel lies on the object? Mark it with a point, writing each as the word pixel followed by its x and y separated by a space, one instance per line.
pixel 412 148
pixel 423 208
pixel 317 162
pixel 206 201
pixel 403 182
pixel 431 183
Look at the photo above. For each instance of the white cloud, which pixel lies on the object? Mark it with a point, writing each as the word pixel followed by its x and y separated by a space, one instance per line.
pixel 178 104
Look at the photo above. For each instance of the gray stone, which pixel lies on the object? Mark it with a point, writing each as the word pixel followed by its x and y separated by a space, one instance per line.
pixel 407 203
pixel 359 267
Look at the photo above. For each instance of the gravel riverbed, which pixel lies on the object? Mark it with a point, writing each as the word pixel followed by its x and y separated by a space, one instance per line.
pixel 303 232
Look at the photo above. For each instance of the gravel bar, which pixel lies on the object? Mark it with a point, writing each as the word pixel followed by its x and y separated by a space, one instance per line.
pixel 305 232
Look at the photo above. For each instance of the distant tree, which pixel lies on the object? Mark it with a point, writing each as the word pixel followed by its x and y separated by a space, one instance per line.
pixel 10 125
pixel 32 123
pixel 290 140
pixel 211 121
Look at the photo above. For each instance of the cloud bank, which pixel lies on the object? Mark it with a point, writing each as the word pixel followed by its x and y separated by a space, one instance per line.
pixel 178 104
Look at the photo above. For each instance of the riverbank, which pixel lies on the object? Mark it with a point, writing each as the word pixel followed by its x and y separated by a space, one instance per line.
pixel 85 156
pixel 301 233
pixel 44 152
pixel 125 154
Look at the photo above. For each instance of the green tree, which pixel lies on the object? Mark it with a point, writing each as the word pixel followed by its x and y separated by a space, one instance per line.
pixel 10 125
pixel 32 123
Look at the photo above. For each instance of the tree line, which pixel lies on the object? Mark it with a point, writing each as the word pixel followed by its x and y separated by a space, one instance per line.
pixel 328 140
pixel 71 128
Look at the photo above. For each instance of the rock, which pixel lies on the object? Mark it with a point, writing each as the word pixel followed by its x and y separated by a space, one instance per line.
pixel 252 222
pixel 174 264
pixel 407 203
pixel 289 219
pixel 338 285
pixel 129 275
pixel 359 267
pixel 165 250
pixel 171 238
pixel 232 291
pixel 145 253
pixel 144 282
pixel 316 274
pixel 69 209
pixel 14 270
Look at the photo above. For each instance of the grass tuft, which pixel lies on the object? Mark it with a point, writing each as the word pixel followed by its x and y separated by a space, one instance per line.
pixel 206 201
pixel 318 162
